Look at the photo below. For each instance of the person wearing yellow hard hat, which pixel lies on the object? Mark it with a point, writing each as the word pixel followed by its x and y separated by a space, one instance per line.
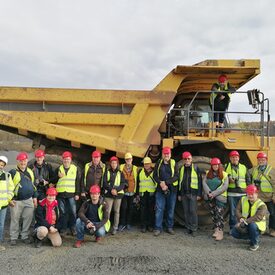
pixel 127 207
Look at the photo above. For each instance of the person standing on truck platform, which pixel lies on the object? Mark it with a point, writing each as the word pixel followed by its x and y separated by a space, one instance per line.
pixel 92 174
pixel 127 206
pixel 215 185
pixel 251 215
pixel 146 188
pixel 68 188
pixel 189 192
pixel 24 200
pixel 6 195
pixel 238 179
pixel 263 176
pixel 43 173
pixel 219 100
pixel 166 176
pixel 113 190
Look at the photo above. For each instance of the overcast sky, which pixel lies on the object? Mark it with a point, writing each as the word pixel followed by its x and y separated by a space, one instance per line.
pixel 130 44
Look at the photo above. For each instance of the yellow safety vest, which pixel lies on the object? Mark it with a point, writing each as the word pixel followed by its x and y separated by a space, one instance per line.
pixel 172 165
pixel 117 180
pixel 214 94
pixel 87 166
pixel 17 179
pixel 135 169
pixel 67 182
pixel 194 177
pixel 107 225
pixel 245 212
pixel 240 175
pixel 224 194
pixel 265 185
pixel 6 190
pixel 146 184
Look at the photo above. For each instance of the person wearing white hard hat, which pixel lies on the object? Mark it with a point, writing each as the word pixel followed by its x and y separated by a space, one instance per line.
pixel 6 195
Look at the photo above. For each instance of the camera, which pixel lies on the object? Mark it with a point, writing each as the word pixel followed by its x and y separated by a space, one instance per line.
pixel 166 192
pixel 236 181
pixel 257 182
pixel 92 230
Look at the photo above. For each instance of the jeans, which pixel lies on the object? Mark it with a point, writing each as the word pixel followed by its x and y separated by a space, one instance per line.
pixel 271 209
pixel 67 207
pixel 253 233
pixel 189 203
pixel 3 213
pixel 233 202
pixel 81 230
pixel 167 203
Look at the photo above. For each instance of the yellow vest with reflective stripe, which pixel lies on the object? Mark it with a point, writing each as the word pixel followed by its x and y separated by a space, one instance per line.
pixel 17 179
pixel 67 182
pixel 146 184
pixel 107 225
pixel 135 169
pixel 245 212
pixel 6 190
pixel 117 180
pixel 194 177
pixel 172 165
pixel 214 95
pixel 265 185
pixel 240 175
pixel 87 166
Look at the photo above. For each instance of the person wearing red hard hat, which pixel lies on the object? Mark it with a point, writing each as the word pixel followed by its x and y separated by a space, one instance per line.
pixel 47 220
pixel 92 174
pixel 251 215
pixel 113 190
pixel 43 173
pixel 93 217
pixel 220 98
pixel 215 185
pixel 238 179
pixel 24 200
pixel 189 192
pixel 68 188
pixel 166 176
pixel 263 176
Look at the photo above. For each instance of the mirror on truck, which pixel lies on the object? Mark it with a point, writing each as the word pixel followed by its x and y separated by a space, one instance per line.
pixel 254 98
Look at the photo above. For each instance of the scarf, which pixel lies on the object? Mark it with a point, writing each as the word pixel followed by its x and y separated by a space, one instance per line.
pixel 49 209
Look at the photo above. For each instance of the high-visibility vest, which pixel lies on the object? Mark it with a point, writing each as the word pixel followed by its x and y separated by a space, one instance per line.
pixel 17 179
pixel 117 180
pixel 194 177
pixel 240 175
pixel 265 185
pixel 87 166
pixel 67 182
pixel 146 184
pixel 172 165
pixel 135 169
pixel 107 225
pixel 214 94
pixel 245 211
pixel 6 190
pixel 224 194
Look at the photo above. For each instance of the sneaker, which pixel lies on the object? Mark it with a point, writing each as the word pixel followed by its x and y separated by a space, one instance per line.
pixel 156 233
pixel 2 248
pixel 254 247
pixel 114 231
pixel 150 229
pixel 170 231
pixel 272 233
pixel 73 231
pixel 26 241
pixel 194 234
pixel 78 243
pixel 121 227
pixel 129 227
pixel 143 230
pixel 37 243
pixel 97 239
pixel 13 242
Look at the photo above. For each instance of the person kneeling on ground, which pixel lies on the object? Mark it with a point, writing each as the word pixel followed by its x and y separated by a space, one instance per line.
pixel 251 214
pixel 47 220
pixel 93 217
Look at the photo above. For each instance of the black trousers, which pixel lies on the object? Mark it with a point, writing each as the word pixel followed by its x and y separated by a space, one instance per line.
pixel 126 210
pixel 147 210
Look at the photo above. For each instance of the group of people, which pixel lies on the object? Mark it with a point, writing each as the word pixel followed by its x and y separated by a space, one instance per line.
pixel 68 200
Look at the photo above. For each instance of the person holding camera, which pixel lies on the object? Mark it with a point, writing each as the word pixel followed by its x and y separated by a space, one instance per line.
pixel 93 217
pixel 251 215
pixel 238 180
pixel 263 176
pixel 189 192
pixel 166 176
pixel 215 185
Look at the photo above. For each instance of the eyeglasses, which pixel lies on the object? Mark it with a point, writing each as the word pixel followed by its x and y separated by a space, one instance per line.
pixel 187 159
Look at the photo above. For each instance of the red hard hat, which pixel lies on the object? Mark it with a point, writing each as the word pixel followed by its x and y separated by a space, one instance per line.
pixel 262 155
pixel 251 189
pixel 94 189
pixel 215 161
pixel 96 154
pixel 114 158
pixel 234 154
pixel 186 155
pixel 67 154
pixel 51 191
pixel 222 78
pixel 166 150
pixel 22 156
pixel 39 153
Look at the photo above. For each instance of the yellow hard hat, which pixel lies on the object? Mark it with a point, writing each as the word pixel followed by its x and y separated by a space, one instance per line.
pixel 128 156
pixel 147 160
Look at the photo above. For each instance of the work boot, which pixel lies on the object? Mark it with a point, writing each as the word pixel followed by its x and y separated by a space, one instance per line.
pixel 156 233
pixel 2 248
pixel 143 229
pixel 97 239
pixel 170 231
pixel 37 243
pixel 114 231
pixel 219 236
pixel 272 232
pixel 73 231
pixel 13 242
pixel 254 247
pixel 78 243
pixel 215 232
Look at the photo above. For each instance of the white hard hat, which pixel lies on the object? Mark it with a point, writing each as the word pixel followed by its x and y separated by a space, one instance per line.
pixel 4 159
